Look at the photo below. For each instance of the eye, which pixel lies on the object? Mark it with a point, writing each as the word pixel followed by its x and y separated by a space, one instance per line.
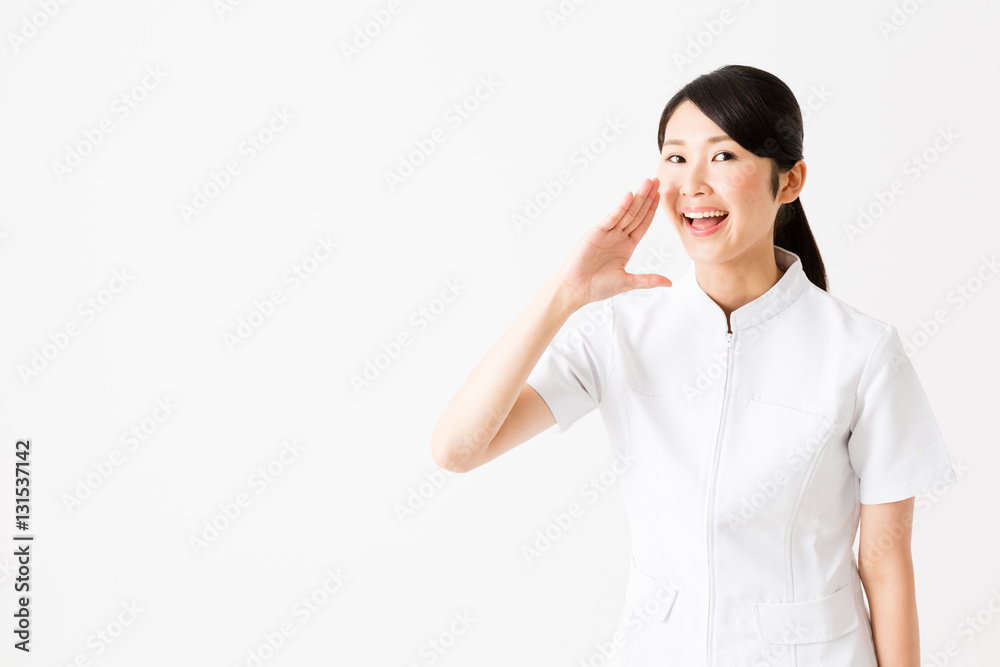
pixel 731 157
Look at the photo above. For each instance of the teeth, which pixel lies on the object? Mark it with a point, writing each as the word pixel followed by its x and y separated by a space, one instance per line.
pixel 706 214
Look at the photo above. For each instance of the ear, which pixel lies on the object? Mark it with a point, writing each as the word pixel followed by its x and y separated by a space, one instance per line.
pixel 792 182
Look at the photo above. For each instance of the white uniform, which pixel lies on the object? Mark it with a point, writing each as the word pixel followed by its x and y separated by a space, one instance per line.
pixel 752 452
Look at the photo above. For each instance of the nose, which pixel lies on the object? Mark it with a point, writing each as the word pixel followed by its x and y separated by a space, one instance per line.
pixel 694 180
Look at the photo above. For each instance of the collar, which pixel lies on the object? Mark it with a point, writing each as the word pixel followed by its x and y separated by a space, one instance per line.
pixel 767 305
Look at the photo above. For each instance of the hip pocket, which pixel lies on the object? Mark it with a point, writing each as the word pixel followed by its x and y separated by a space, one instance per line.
pixel 806 622
pixel 648 603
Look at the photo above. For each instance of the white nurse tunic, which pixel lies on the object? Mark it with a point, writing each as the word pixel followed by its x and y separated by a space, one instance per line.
pixel 751 453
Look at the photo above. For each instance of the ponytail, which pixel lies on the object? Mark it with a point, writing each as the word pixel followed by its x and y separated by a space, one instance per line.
pixel 792 232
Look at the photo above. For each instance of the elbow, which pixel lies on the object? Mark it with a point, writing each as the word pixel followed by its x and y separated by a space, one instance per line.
pixel 444 457
pixel 877 568
pixel 456 453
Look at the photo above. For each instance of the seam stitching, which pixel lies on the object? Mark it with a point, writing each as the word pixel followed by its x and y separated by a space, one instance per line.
pixel 864 372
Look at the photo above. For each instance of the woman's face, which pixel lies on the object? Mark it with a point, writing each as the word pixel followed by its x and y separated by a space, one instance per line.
pixel 704 170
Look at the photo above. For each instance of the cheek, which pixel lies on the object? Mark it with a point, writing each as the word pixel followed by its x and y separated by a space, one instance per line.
pixel 735 185
pixel 747 182
pixel 748 187
pixel 669 189
pixel 668 197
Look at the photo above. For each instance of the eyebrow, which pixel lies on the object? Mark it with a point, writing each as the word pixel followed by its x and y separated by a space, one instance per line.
pixel 710 140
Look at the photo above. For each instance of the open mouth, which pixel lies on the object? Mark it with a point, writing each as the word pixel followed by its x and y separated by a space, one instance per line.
pixel 706 223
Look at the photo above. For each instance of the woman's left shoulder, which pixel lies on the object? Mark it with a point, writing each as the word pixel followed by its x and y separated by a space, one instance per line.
pixel 834 315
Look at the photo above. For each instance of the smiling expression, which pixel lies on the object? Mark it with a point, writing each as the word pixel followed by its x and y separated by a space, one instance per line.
pixel 702 169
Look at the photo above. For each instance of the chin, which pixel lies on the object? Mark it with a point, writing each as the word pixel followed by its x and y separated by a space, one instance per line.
pixel 703 249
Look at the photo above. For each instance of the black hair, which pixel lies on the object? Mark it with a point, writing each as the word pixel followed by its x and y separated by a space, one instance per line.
pixel 760 113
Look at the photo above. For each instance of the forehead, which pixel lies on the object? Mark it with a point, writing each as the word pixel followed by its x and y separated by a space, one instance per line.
pixel 692 127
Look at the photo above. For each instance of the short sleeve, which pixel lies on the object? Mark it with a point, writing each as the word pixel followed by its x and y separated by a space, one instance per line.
pixel 895 445
pixel 575 369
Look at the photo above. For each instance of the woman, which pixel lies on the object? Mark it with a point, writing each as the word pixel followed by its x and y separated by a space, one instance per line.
pixel 766 418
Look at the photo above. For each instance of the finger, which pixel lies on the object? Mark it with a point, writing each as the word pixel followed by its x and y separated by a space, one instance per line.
pixel 648 280
pixel 641 196
pixel 649 207
pixel 608 223
pixel 646 213
pixel 650 201
pixel 638 209
pixel 640 229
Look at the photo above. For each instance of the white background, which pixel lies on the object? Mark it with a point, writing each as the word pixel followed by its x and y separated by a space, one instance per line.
pixel 873 101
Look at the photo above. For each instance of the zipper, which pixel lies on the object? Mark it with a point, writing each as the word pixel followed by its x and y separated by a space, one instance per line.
pixel 711 497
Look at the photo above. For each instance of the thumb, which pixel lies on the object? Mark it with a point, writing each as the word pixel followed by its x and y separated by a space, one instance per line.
pixel 647 281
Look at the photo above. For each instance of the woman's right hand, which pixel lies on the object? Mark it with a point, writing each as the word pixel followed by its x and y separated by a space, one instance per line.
pixel 595 268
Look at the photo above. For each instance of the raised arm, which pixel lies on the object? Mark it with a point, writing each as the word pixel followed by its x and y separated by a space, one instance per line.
pixel 495 410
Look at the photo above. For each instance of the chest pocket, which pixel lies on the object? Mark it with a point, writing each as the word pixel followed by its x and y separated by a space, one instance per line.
pixel 772 453
pixel 798 431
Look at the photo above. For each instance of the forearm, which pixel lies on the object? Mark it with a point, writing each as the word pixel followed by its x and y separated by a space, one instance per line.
pixel 482 403
pixel 893 602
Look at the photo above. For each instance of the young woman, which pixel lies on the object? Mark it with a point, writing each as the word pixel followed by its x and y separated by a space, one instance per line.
pixel 766 418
